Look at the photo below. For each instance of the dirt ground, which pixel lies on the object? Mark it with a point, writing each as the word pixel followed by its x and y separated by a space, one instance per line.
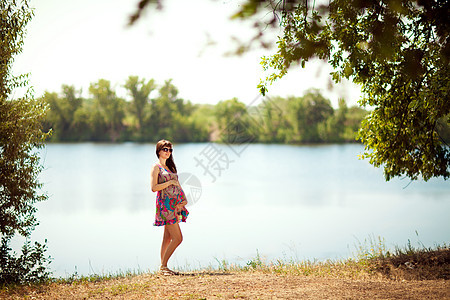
pixel 239 285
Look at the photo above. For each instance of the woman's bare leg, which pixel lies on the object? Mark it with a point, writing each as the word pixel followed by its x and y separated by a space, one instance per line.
pixel 165 242
pixel 173 234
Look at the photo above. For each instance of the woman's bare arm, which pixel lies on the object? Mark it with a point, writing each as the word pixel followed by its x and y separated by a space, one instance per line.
pixel 154 180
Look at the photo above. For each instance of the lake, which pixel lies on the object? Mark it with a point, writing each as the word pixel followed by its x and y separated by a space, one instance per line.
pixel 281 201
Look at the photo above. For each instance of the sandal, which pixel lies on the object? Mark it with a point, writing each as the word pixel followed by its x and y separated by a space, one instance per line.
pixel 166 271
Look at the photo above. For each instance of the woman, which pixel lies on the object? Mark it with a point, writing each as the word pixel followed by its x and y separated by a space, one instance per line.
pixel 170 202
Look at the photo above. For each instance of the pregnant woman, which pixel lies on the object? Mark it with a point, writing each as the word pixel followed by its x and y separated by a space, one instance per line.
pixel 170 202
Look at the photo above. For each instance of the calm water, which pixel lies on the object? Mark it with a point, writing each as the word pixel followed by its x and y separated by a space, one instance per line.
pixel 300 202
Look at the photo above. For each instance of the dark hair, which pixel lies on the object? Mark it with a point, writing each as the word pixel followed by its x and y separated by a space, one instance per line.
pixel 169 162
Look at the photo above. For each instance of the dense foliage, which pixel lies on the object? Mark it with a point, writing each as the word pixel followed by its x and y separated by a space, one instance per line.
pixel 20 135
pixel 398 51
pixel 106 117
pixel 30 266
pixel 152 112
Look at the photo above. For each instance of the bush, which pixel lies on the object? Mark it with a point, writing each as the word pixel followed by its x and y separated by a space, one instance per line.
pixel 30 266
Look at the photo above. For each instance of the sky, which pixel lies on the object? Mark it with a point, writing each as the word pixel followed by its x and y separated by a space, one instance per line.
pixel 77 42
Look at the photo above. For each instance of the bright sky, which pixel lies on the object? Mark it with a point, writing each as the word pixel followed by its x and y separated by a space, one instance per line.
pixel 77 42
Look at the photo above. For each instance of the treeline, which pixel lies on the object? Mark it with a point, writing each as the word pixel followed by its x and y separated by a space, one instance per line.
pixel 152 112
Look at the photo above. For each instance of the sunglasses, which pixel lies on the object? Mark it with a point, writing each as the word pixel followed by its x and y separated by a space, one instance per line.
pixel 167 150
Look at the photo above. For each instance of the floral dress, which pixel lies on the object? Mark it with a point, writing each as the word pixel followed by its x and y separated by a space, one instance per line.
pixel 167 199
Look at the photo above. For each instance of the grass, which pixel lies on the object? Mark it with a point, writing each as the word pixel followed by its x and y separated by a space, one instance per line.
pixel 371 260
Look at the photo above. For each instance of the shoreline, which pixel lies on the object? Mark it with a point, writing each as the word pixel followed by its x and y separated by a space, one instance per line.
pixel 408 274
pixel 232 285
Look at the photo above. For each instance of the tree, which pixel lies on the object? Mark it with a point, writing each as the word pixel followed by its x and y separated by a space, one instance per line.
pixel 309 113
pixel 336 124
pixel 139 91
pixel 20 135
pixel 397 50
pixel 163 107
pixel 275 125
pixel 110 108
pixel 61 116
pixel 201 122
pixel 353 119
pixel 234 123
pixel 170 114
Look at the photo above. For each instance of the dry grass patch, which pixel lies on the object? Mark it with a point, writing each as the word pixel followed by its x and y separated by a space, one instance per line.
pixel 409 273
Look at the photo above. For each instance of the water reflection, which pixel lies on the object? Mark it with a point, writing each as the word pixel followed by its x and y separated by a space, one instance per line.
pixel 97 177
pixel 272 198
pixel 107 177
